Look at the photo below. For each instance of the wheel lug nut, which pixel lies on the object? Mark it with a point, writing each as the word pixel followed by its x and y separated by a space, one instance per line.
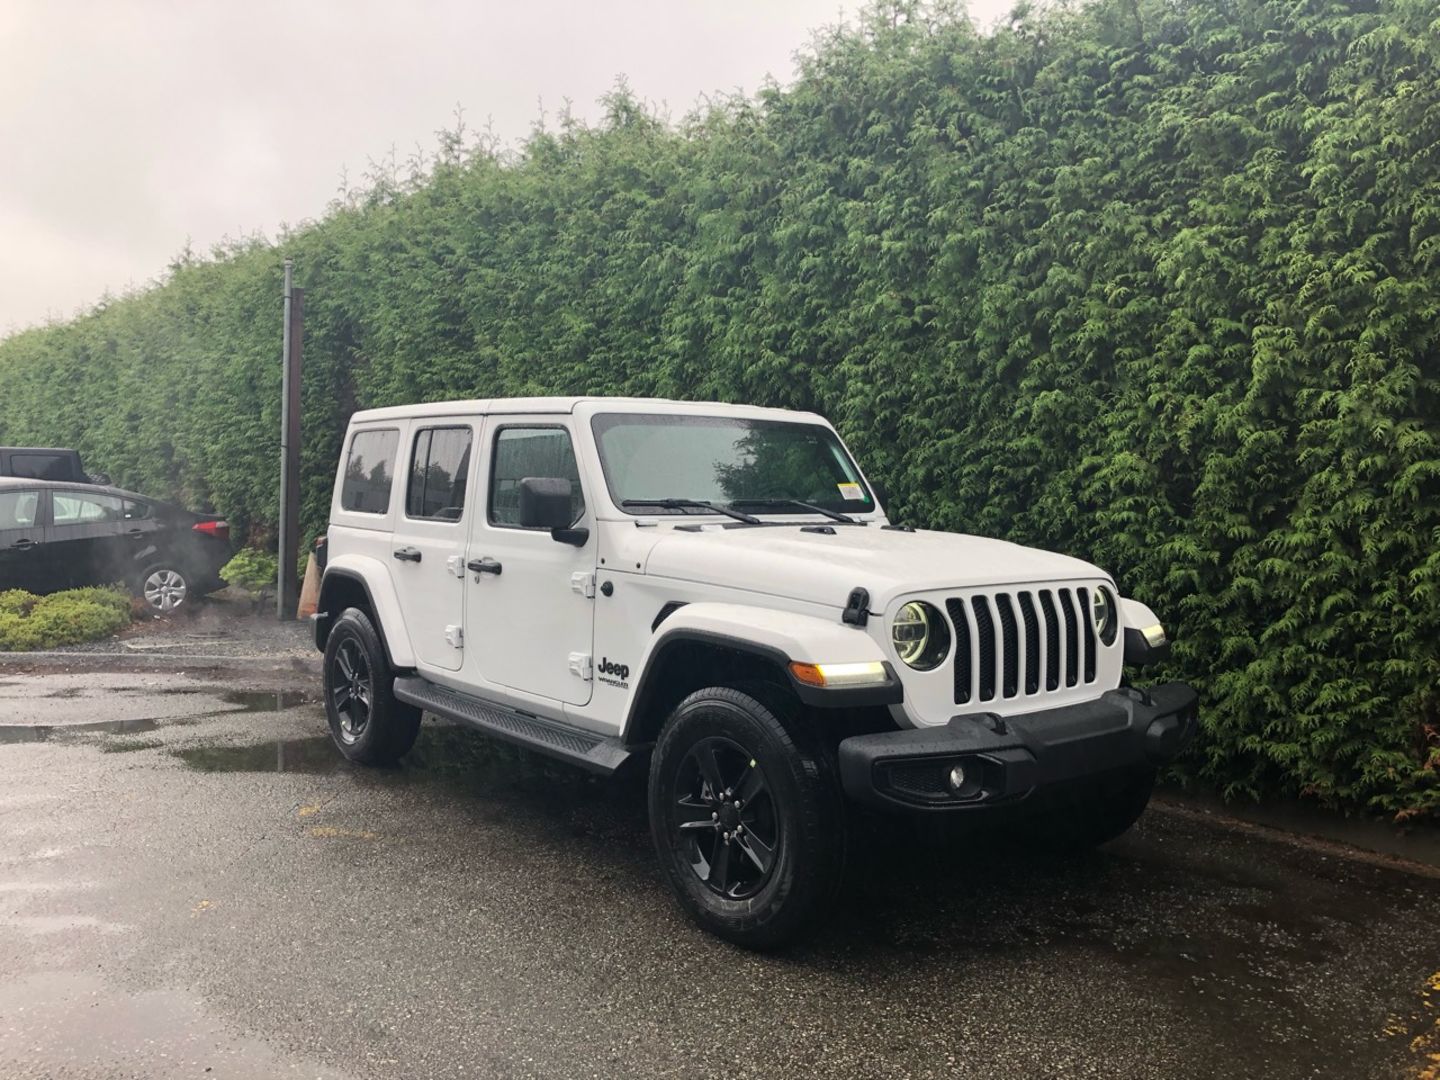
pixel 714 816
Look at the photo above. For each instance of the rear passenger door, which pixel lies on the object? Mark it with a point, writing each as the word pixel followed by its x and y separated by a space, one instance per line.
pixel 25 562
pixel 428 544
pixel 86 537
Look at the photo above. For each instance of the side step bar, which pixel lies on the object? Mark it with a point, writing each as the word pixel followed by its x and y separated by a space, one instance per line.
pixel 597 753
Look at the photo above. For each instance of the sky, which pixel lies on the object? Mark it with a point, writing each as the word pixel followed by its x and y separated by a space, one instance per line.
pixel 129 128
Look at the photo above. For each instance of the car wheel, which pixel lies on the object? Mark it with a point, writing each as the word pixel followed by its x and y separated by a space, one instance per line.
pixel 164 588
pixel 367 722
pixel 746 818
pixel 1095 814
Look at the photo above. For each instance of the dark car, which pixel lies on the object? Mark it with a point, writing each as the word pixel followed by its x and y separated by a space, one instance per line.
pixel 63 535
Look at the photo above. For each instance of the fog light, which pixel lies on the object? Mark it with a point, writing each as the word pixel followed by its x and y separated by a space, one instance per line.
pixel 957 778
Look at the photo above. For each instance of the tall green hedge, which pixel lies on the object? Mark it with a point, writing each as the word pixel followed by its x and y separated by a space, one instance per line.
pixel 1152 281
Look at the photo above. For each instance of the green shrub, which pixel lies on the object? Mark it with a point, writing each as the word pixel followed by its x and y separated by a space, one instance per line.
pixel 17 633
pixel 16 601
pixel 253 570
pixel 63 618
pixel 114 598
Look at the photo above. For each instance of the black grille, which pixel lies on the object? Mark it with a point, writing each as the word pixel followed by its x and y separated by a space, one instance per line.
pixel 1089 636
pixel 956 608
pixel 1009 646
pixel 985 634
pixel 1032 643
pixel 1052 640
pixel 1072 640
pixel 1035 630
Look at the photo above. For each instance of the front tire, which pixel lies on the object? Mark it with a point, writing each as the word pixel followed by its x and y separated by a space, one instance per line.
pixel 747 819
pixel 368 724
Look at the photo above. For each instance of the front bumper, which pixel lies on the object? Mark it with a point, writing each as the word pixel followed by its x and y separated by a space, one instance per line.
pixel 1004 760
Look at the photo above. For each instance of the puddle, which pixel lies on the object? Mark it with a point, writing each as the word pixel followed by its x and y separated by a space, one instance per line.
pixel 45 732
pixel 248 701
pixel 315 755
pixel 71 1021
pixel 251 701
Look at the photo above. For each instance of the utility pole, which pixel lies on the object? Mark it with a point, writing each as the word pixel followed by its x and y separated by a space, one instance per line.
pixel 286 596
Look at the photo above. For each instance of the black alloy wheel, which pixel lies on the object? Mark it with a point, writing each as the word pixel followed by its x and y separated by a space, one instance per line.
pixel 747 816
pixel 368 723
pixel 353 692
pixel 725 818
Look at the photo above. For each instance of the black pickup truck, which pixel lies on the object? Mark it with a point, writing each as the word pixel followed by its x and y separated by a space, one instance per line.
pixel 37 463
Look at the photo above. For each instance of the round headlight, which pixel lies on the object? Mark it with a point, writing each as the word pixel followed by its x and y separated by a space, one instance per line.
pixel 1102 610
pixel 920 635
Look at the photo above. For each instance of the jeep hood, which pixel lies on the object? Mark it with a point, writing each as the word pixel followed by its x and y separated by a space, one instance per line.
pixel 821 568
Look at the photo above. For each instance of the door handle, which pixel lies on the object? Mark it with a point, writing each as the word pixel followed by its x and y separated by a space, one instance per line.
pixel 25 544
pixel 484 565
pixel 407 554
pixel 135 534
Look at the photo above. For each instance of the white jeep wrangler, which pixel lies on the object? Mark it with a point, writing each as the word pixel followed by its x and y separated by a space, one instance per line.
pixel 715 590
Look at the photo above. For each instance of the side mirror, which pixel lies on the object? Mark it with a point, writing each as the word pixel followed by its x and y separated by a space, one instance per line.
pixel 881 493
pixel 545 504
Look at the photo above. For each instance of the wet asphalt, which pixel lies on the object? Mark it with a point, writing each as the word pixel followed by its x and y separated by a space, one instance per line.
pixel 194 884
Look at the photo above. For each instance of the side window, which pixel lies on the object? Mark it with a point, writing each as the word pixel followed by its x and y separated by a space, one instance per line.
pixel 439 474
pixel 137 511
pixel 522 452
pixel 18 509
pixel 84 508
pixel 369 467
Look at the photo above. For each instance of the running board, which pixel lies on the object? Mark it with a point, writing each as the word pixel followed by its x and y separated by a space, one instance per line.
pixel 596 753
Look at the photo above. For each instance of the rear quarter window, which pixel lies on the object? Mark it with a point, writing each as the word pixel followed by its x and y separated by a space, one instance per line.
pixel 369 472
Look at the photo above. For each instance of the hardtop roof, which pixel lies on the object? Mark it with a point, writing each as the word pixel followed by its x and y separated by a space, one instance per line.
pixel 558 405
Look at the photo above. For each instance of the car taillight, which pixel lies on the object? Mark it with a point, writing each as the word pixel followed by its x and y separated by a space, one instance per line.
pixel 218 529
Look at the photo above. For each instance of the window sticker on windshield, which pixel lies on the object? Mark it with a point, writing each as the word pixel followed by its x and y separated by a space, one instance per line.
pixel 851 492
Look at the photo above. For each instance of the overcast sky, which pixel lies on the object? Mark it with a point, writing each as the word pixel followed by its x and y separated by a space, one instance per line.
pixel 130 126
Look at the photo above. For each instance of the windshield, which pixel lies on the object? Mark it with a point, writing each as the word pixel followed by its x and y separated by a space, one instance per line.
pixel 728 461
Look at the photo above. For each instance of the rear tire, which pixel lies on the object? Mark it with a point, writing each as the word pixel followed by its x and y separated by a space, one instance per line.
pixel 747 819
pixel 165 588
pixel 368 724
pixel 1094 815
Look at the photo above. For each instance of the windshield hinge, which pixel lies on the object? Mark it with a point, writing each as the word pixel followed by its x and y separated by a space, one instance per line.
pixel 583 583
pixel 857 608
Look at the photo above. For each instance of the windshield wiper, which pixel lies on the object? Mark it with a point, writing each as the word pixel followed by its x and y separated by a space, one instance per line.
pixel 696 504
pixel 833 515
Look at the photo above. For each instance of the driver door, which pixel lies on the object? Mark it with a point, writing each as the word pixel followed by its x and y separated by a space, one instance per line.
pixel 528 612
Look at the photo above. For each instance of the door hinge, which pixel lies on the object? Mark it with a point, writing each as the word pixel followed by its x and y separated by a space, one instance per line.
pixel 456 565
pixel 581 666
pixel 455 635
pixel 583 583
